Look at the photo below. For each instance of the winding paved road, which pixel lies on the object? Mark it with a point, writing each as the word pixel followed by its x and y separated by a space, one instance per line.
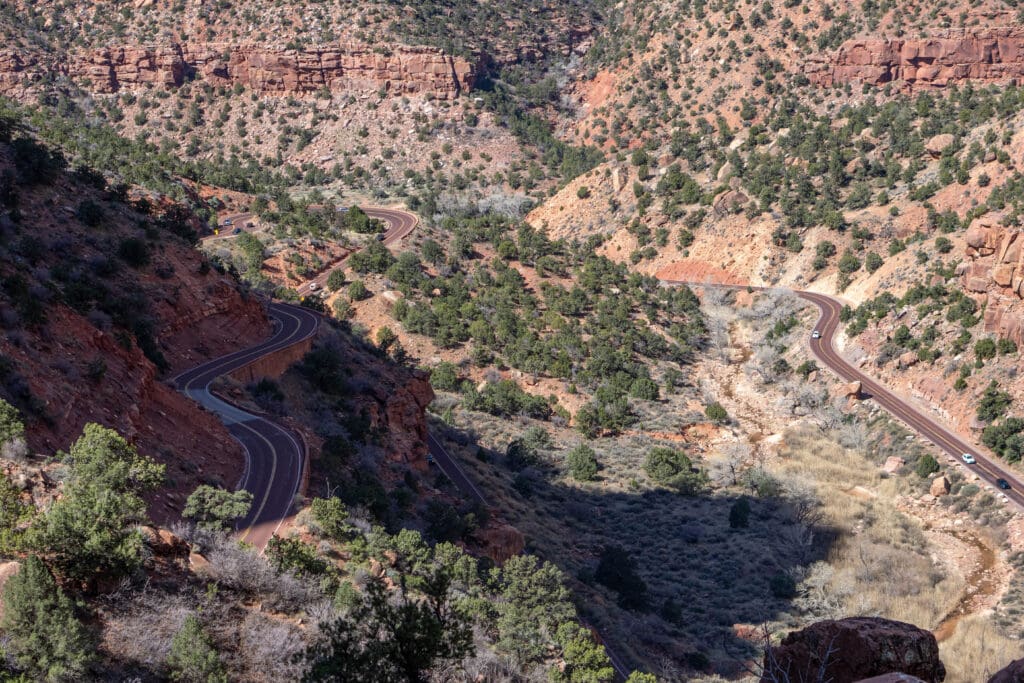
pixel 400 223
pixel 274 454
pixel 987 468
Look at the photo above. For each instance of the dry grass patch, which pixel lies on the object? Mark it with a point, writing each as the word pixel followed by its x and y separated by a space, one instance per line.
pixel 881 562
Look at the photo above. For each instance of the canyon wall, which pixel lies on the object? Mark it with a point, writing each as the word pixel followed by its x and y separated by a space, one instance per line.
pixel 995 54
pixel 345 67
pixel 994 272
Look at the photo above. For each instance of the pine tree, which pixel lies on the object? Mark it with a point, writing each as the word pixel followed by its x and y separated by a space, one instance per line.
pixel 46 637
pixel 193 657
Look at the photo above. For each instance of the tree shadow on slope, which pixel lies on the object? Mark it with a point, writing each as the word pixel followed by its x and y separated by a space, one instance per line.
pixel 712 567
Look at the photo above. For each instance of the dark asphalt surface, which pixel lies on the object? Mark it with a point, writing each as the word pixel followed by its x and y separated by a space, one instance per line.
pixel 988 468
pixel 400 223
pixel 274 456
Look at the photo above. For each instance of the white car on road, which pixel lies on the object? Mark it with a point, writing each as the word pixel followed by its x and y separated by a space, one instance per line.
pixel 968 458
pixel 816 335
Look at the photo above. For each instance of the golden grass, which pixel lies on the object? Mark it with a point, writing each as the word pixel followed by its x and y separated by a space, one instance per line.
pixel 976 650
pixel 880 564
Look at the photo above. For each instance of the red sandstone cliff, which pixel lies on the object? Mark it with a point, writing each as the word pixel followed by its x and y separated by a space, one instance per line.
pixel 985 55
pixel 338 68
pixel 994 272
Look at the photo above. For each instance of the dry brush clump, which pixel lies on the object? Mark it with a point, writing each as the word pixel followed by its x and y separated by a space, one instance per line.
pixel 976 650
pixel 881 561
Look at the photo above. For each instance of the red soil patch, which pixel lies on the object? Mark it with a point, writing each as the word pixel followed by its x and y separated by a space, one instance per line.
pixel 696 272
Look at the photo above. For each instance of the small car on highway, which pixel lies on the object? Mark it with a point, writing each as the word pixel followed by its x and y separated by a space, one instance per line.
pixel 968 458
pixel 1003 484
pixel 816 335
pixel 313 286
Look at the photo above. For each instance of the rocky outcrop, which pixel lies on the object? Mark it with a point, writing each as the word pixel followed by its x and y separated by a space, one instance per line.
pixel 15 69
pixel 995 54
pixel 994 272
pixel 1012 673
pixel 849 650
pixel 337 68
pixel 500 541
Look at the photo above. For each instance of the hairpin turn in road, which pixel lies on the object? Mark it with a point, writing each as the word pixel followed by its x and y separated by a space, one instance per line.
pixel 274 455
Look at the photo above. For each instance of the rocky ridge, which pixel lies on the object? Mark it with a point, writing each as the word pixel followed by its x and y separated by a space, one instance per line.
pixel 993 54
pixel 270 70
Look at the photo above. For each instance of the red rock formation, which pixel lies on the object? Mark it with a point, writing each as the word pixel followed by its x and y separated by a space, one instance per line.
pixel 396 406
pixel 345 67
pixel 501 541
pixel 848 650
pixel 994 271
pixel 986 54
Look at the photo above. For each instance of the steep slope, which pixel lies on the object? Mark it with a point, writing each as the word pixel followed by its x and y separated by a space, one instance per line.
pixel 101 298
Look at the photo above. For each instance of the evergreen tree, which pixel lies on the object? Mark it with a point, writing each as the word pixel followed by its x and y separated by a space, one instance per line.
pixel 45 636
pixel 585 660
pixel 193 658
pixel 582 463
pixel 215 509
pixel 91 530
pixel 382 640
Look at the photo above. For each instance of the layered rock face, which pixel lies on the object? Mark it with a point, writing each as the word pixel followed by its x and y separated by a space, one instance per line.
pixel 994 270
pixel 985 55
pixel 346 67
pixel 849 650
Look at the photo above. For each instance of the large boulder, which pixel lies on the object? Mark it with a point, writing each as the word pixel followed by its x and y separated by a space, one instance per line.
pixel 1012 673
pixel 850 650
pixel 936 144
pixel 893 464
pixel 940 486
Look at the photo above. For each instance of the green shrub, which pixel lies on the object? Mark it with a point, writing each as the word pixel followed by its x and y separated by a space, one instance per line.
pixel 90 213
pixel 993 403
pixel 673 468
pixel 331 517
pixel 716 412
pixel 336 280
pixel 926 466
pixel 445 377
pixel 739 514
pixel 134 252
pixel 985 348
pixel 44 635
pixel 357 291
pixel 782 586
pixel 216 509
pixel 193 657
pixel 616 569
pixel 582 463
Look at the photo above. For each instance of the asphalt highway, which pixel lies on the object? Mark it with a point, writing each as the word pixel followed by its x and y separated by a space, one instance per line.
pixel 274 456
pixel 400 223
pixel 988 468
